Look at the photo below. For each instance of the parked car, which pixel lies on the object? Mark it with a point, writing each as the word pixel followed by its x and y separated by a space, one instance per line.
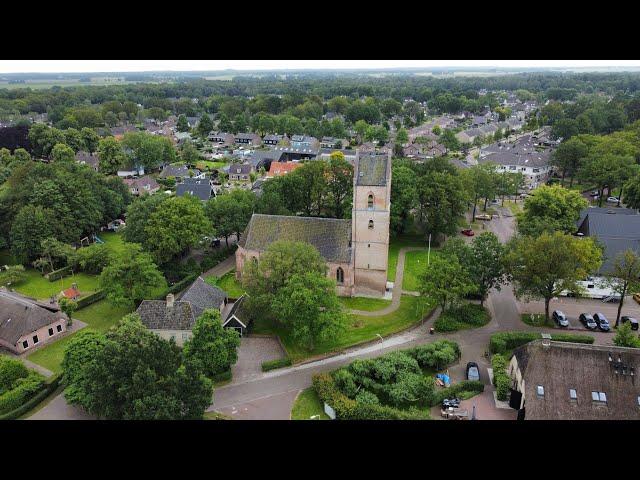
pixel 601 320
pixel 560 318
pixel 587 320
pixel 595 193
pixel 613 200
pixel 483 216
pixel 473 372
pixel 636 297
pixel 633 321
pixel 495 201
pixel 468 232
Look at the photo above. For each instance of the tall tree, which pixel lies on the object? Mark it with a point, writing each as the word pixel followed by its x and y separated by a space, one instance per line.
pixel 551 208
pixel 212 349
pixel 486 265
pixel 569 156
pixel 205 126
pixel 544 266
pixel 339 180
pixel 182 125
pixel 446 281
pixel 90 139
pixel 131 277
pixel 625 276
pixel 62 153
pixel 110 154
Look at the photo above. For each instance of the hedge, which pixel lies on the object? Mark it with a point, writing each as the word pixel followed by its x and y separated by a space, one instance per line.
pixel 455 390
pixel 58 274
pixel 505 341
pixel 274 364
pixel 223 377
pixel 23 389
pixel 50 385
pixel 348 409
pixel 468 315
pixel 89 299
pixel 501 380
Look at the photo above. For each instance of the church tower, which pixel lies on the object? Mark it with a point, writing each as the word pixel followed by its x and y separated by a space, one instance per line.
pixel 370 222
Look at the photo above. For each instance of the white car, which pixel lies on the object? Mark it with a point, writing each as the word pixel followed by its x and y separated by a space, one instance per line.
pixel 613 200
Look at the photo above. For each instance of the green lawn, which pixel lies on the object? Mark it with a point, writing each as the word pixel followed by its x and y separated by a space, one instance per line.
pixel 113 240
pixel 414 265
pixel 307 405
pixel 535 320
pixel 211 165
pixel 228 283
pixel 38 287
pixel 360 329
pixel 100 316
pixel 408 240
pixel 362 303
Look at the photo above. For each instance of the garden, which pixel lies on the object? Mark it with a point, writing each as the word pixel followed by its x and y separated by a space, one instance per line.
pixel 308 406
pixel 461 317
pixel 397 386
pixel 18 384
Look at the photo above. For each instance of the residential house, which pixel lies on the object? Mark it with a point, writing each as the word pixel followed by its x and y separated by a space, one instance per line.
pixel 198 187
pixel 222 138
pixel 180 172
pixel 237 318
pixel 274 139
pixel 331 142
pixel 131 170
pixel 203 296
pixel 304 142
pixel 573 381
pixel 141 185
pixel 248 139
pixel 617 229
pixel 118 132
pixel 26 323
pixel 71 293
pixel 289 153
pixel 349 153
pixel 279 169
pixel 91 160
pixel 169 319
pixel 241 172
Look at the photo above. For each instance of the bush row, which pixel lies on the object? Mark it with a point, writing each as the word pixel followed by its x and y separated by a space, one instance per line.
pixel 274 364
pixel 464 316
pixel 348 409
pixel 505 341
pixel 213 259
pixel 58 274
pixel 501 380
pixel 456 390
pixel 223 377
pixel 50 385
pixel 23 389
pixel 89 299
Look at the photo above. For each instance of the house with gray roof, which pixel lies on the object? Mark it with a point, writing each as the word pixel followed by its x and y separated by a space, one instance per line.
pixel 146 184
pixel 198 187
pixel 573 381
pixel 248 139
pixel 616 229
pixel 26 323
pixel 203 296
pixel 180 172
pixel 237 318
pixel 169 319
pixel 273 139
pixel 221 138
pixel 89 159
pixel 241 172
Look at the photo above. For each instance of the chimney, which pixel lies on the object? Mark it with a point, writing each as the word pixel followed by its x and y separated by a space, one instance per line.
pixel 170 300
pixel 546 341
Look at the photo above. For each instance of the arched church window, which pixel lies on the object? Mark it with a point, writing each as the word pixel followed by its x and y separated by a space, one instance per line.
pixel 370 224
pixel 340 276
pixel 370 201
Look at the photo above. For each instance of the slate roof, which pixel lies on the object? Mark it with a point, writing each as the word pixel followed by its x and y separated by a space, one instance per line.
pixel 238 311
pixel 20 316
pixel 201 296
pixel 200 188
pixel 584 368
pixel 155 315
pixel 616 232
pixel 372 170
pixel 177 171
pixel 85 157
pixel 331 236
pixel 531 159
pixel 243 169
pixel 140 183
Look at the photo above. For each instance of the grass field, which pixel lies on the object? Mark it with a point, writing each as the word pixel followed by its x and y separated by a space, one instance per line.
pixel 38 287
pixel 113 240
pixel 228 283
pixel 201 165
pixel 360 329
pixel 307 405
pixel 362 303
pixel 100 316
pixel 409 240
pixel 414 265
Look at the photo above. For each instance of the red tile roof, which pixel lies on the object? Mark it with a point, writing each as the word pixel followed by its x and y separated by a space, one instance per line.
pixel 282 168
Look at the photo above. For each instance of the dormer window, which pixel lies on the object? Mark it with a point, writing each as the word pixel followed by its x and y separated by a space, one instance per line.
pixel 540 391
pixel 370 201
pixel 573 395
pixel 370 224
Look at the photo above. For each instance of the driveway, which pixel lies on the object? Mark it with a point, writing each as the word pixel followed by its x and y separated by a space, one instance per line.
pixel 252 352
pixel 59 409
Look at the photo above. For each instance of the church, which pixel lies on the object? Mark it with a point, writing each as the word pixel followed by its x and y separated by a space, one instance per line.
pixel 356 249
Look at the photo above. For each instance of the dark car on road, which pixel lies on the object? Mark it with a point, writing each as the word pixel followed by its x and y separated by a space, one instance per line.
pixel 473 372
pixel 560 318
pixel 601 320
pixel 631 320
pixel 587 320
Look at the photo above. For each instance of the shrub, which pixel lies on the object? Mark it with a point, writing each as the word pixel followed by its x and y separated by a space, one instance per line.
pixel 58 274
pixel 22 390
pixel 503 383
pixel 348 409
pixel 50 385
pixel 364 397
pixel 436 355
pixel 222 377
pixel 274 364
pixel 10 371
pixel 465 316
pixel 498 365
pixel 214 258
pixel 505 341
pixel 457 390
pixel 89 299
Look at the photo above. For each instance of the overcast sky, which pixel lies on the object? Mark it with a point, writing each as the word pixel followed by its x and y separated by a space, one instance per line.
pixel 29 66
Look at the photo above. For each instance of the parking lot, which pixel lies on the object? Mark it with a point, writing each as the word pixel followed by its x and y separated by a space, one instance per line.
pixel 573 307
